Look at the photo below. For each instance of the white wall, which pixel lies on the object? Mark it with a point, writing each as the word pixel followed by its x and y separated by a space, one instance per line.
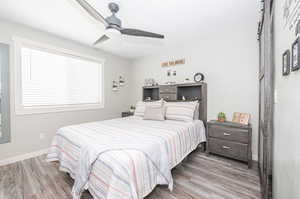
pixel 26 129
pixel 230 64
pixel 286 170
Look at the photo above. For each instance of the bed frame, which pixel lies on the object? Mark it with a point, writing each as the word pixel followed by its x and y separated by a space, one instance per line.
pixel 181 93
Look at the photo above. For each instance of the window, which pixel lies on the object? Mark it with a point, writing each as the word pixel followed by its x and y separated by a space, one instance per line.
pixel 53 80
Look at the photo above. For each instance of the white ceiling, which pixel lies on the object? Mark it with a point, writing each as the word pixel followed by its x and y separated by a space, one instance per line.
pixel 181 21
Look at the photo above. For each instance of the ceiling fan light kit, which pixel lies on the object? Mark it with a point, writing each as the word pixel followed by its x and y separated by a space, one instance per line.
pixel 113 24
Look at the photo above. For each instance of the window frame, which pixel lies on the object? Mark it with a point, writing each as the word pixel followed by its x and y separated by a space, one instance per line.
pixel 23 110
pixel 5 102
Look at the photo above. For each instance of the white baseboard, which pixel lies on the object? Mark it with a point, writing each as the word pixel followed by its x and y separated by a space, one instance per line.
pixel 22 157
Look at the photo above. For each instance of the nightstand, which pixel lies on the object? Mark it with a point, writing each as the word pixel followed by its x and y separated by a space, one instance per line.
pixel 127 114
pixel 231 140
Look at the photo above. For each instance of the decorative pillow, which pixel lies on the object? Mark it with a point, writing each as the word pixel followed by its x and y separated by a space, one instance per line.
pixel 182 111
pixel 140 107
pixel 154 113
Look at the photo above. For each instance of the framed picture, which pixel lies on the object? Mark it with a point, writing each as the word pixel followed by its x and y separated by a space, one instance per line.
pixel 286 63
pixel 296 55
pixel 242 118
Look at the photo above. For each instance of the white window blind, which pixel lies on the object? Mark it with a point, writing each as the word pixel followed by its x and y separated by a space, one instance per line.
pixel 57 79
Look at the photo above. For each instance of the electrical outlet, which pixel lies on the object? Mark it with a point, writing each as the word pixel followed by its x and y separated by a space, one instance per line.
pixel 42 136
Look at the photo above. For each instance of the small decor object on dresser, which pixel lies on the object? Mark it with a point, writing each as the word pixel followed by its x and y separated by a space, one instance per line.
pixel 231 140
pixel 198 77
pixel 286 63
pixel 242 118
pixel 221 117
pixel 296 55
pixel 186 81
pixel 150 82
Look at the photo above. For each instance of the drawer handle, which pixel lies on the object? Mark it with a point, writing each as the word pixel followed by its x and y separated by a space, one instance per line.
pixel 226 147
pixel 226 134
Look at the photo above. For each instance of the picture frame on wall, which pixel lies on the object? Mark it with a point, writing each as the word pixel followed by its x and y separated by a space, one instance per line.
pixel 296 55
pixel 286 63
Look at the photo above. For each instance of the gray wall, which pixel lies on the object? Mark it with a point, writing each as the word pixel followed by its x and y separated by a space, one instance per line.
pixel 287 114
pixel 26 129
pixel 231 70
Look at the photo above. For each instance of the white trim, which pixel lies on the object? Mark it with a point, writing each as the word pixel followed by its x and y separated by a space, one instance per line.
pixel 21 110
pixel 51 48
pixel 5 42
pixel 255 157
pixel 23 157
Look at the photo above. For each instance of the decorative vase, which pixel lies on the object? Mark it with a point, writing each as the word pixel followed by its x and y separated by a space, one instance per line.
pixel 221 119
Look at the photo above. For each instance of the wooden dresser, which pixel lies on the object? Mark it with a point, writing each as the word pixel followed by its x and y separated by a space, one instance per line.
pixel 231 140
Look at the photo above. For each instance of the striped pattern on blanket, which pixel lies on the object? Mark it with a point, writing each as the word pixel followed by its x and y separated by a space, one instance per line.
pixel 127 173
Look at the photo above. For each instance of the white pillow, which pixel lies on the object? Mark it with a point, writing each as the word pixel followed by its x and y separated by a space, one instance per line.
pixel 140 107
pixel 154 113
pixel 182 111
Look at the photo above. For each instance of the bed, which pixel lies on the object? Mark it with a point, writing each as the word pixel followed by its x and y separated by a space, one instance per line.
pixel 127 157
pixel 119 171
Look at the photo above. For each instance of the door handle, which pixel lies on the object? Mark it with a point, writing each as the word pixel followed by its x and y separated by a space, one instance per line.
pixel 226 134
pixel 226 147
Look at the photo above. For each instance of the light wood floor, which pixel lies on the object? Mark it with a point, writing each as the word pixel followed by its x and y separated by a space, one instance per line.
pixel 200 177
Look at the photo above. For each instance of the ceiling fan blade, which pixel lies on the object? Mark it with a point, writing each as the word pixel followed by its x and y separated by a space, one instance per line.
pixel 92 11
pixel 140 33
pixel 101 39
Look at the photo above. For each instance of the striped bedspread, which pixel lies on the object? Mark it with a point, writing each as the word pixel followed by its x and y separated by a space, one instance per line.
pixel 128 157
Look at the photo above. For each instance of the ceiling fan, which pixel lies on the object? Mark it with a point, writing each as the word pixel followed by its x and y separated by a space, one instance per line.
pixel 113 24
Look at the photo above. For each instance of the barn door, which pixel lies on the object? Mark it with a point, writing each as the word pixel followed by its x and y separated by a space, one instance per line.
pixel 266 98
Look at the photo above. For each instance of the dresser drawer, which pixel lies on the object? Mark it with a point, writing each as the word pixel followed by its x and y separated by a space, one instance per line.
pixel 229 149
pixel 167 89
pixel 229 133
pixel 168 97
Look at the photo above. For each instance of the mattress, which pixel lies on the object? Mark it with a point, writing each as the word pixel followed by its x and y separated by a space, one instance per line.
pixel 127 174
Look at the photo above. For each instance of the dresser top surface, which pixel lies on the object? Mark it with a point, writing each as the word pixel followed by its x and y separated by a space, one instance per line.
pixel 229 124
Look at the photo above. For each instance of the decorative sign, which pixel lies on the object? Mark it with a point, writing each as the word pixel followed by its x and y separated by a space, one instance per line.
pixel 173 63
pixel 242 118
pixel 291 13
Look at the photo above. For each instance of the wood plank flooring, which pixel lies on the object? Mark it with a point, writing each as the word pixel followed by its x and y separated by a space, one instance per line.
pixel 199 177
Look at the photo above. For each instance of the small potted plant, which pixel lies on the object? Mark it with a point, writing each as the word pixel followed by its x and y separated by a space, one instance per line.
pixel 221 117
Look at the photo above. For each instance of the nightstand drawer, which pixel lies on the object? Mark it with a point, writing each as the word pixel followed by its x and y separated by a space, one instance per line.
pixel 229 149
pixel 167 89
pixel 229 133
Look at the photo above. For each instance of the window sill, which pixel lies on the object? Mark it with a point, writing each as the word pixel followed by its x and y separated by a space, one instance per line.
pixel 55 109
